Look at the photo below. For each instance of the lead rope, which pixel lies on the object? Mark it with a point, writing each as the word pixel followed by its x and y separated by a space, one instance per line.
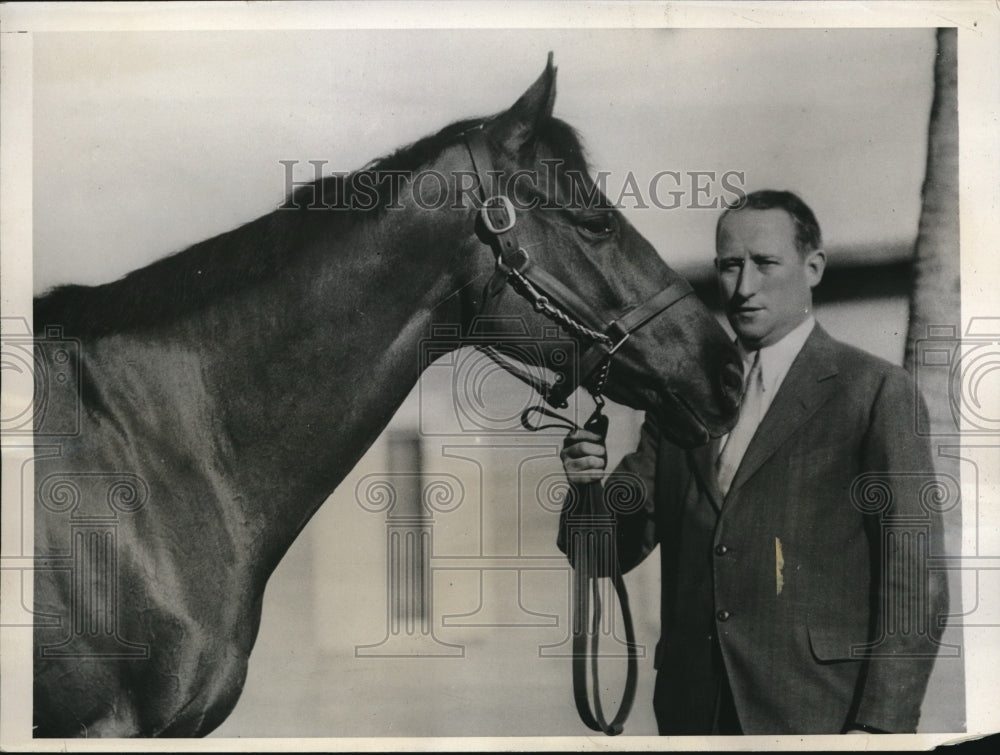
pixel 592 551
pixel 592 522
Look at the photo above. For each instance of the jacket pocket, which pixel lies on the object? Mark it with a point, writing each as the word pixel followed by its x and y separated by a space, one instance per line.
pixel 832 642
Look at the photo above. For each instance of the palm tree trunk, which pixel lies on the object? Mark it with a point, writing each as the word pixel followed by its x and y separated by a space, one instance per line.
pixel 935 297
pixel 935 312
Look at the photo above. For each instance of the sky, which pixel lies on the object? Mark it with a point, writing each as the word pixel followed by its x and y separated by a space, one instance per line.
pixel 147 142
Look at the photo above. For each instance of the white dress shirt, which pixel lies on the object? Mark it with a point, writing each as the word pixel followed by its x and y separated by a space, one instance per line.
pixel 775 361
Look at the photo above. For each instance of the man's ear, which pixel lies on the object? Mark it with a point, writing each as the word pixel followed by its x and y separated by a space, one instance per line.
pixel 815 265
pixel 516 130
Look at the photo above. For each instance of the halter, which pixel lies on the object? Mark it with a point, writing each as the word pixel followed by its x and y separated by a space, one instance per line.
pixel 592 549
pixel 549 296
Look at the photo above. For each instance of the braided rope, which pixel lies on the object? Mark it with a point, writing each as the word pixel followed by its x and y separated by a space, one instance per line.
pixel 573 326
pixel 542 304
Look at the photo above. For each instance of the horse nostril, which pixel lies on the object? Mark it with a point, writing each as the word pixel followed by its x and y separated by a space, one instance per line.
pixel 731 383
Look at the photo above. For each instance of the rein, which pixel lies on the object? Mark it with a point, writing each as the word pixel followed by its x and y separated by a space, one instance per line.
pixel 592 534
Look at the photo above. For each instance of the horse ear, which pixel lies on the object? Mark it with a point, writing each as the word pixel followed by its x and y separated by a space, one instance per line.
pixel 517 129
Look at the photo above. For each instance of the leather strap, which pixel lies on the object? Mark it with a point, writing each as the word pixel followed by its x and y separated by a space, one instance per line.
pixel 500 221
pixel 617 331
pixel 594 539
pixel 498 208
pixel 591 549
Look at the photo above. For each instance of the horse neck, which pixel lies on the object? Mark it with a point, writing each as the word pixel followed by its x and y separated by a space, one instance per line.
pixel 303 375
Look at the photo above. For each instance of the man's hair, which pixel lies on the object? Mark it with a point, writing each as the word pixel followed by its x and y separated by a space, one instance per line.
pixel 808 237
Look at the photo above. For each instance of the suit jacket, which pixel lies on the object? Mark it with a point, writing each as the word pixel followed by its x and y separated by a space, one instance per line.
pixel 811 573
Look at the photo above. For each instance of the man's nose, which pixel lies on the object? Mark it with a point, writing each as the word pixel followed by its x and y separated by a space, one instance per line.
pixel 746 285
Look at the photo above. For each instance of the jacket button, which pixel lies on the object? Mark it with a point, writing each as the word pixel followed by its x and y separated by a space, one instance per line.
pixel 721 550
pixel 723 615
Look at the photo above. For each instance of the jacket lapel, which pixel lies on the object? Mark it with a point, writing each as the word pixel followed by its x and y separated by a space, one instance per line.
pixel 703 461
pixel 810 382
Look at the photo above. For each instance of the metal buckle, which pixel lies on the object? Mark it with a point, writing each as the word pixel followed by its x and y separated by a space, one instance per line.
pixel 516 264
pixel 619 344
pixel 508 208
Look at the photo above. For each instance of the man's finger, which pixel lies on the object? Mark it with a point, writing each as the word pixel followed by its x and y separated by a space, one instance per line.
pixel 581 435
pixel 583 463
pixel 578 450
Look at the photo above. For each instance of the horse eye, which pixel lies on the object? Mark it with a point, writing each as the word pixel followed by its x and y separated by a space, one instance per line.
pixel 599 225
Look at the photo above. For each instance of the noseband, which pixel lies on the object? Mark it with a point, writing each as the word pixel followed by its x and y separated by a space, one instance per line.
pixel 592 530
pixel 550 297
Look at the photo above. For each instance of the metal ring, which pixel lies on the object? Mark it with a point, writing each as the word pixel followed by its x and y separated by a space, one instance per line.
pixel 508 208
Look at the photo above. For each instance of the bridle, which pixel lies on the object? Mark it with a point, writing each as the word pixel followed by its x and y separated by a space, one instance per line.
pixel 592 542
pixel 549 296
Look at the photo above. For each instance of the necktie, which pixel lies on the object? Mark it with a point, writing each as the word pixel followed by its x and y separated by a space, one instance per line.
pixel 738 440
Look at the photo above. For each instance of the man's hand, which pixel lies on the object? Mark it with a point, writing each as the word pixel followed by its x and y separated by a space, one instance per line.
pixel 584 457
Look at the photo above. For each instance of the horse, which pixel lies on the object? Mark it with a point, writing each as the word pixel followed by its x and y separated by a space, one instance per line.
pixel 210 402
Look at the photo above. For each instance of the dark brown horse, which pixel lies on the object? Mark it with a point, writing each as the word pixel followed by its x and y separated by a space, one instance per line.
pixel 220 395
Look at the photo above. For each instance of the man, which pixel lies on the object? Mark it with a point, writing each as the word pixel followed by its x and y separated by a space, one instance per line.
pixel 795 593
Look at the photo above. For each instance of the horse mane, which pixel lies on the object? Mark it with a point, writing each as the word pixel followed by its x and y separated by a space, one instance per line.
pixel 338 191
pixel 187 281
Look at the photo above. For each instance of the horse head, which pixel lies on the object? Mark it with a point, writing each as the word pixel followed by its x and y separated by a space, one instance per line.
pixel 575 260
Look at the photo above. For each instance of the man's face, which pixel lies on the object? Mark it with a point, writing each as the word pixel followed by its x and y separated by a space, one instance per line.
pixel 766 284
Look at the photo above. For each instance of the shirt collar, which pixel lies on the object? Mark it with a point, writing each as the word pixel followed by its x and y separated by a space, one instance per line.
pixel 776 359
